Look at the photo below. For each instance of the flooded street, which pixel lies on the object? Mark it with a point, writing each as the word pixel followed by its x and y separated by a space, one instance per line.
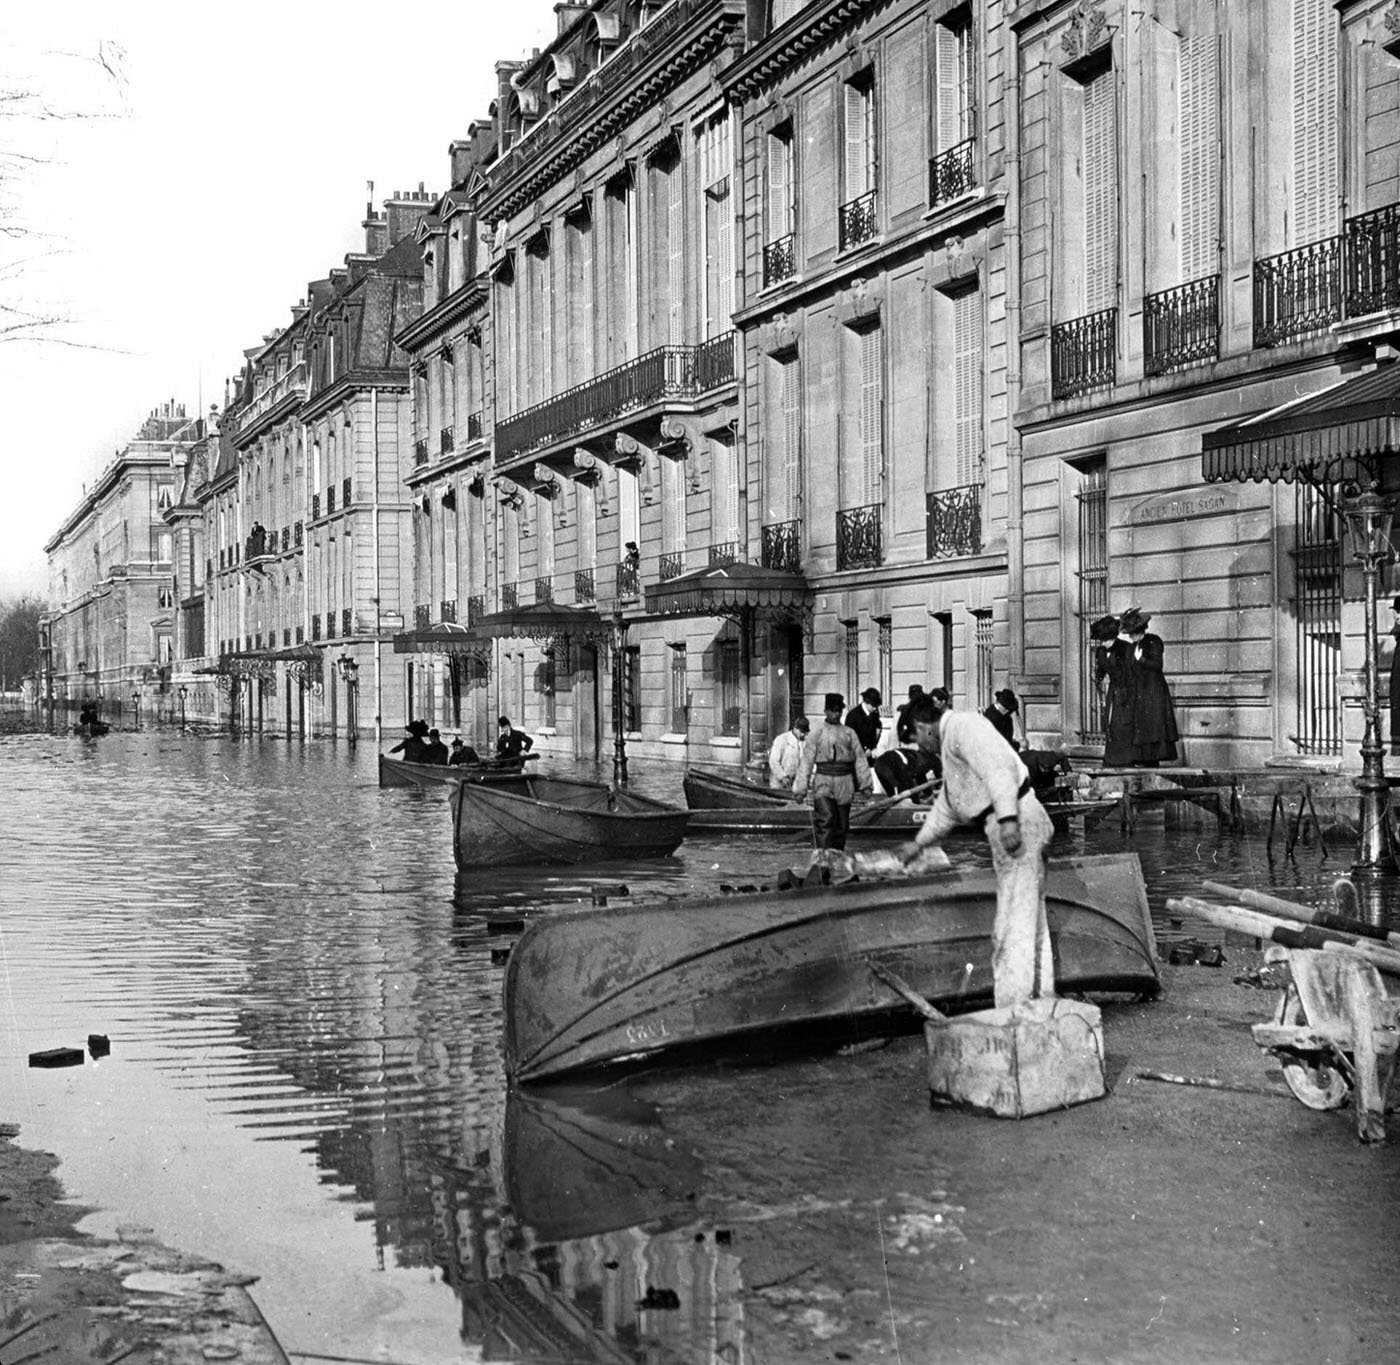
pixel 305 1077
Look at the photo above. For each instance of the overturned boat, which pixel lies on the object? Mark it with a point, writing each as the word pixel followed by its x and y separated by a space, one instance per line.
pixel 604 986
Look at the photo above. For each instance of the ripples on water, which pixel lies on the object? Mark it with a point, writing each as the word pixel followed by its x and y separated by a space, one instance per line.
pixel 306 1080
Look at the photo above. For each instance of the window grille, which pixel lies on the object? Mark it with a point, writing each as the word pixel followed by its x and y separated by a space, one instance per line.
pixel 680 696
pixel 1317 578
pixel 1093 588
pixel 983 664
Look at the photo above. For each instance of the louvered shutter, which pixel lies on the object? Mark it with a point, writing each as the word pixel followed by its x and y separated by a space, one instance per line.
pixel 1100 194
pixel 792 437
pixel 948 96
pixel 1314 120
pixel 675 261
pixel 857 161
pixel 779 186
pixel 872 401
pixel 967 382
pixel 1199 88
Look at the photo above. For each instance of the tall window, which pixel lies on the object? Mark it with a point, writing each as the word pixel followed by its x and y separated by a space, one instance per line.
pixel 449 545
pixel 680 691
pixel 780 254
pixel 1314 120
pixel 1199 90
pixel 984 677
pixel 539 350
pixel 968 369
pixel 944 622
pixel 673 507
pixel 787 437
pixel 1317 602
pixel 548 679
pixel 448 406
pixel 1092 501
pixel 629 510
pixel 884 662
pixel 731 700
pixel 955 76
pixel 859 160
pixel 632 689
pixel 1100 182
pixel 850 661
pixel 716 163
pixel 578 248
pixel 865 472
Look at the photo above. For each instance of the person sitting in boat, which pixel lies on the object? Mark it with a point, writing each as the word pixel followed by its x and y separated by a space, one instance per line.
pixel 834 766
pixel 1004 706
pixel 463 755
pixel 986 784
pixel 415 747
pixel 88 715
pixel 785 757
pixel 436 750
pixel 903 769
pixel 511 744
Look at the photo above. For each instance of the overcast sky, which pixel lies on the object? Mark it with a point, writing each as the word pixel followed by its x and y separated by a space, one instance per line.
pixel 223 167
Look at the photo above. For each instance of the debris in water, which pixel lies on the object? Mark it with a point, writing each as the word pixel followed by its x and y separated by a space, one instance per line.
pixel 99 1045
pixel 57 1056
pixel 660 1298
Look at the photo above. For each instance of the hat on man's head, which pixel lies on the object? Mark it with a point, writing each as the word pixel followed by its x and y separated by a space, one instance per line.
pixel 1395 605
pixel 417 727
pixel 1006 699
pixel 915 690
pixel 1132 621
pixel 835 701
pixel 457 741
pixel 801 723
pixel 433 734
pixel 502 720
pixel 941 698
pixel 872 695
pixel 1104 629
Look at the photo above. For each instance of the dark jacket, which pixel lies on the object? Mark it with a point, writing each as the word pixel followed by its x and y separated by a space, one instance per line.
pixel 1001 720
pixel 465 755
pixel 901 769
pixel 866 724
pixel 513 744
pixel 414 749
pixel 435 751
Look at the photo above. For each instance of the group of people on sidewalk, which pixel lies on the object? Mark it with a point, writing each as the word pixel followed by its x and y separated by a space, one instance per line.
pixel 424 745
pixel 1139 719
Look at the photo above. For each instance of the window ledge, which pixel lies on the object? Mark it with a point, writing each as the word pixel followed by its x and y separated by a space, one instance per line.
pixel 632 734
pixel 675 739
pixel 724 741
pixel 549 731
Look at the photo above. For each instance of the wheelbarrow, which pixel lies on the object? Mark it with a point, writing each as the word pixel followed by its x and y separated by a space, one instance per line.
pixel 1336 1032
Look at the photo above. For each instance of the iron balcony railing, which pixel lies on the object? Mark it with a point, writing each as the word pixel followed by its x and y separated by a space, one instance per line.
pixel 1297 292
pixel 780 259
pixel 672 566
pixel 544 590
pixel 782 547
pixel 629 576
pixel 668 372
pixel 420 452
pixel 315 627
pixel 445 440
pixel 583 585
pixel 510 596
pixel 476 608
pixel 447 611
pixel 858 220
pixel 315 506
pixel 422 615
pixel 297 534
pixel 286 636
pixel 347 622
pixel 954 523
pixel 1181 326
pixel 858 538
pixel 1373 261
pixel 1083 353
pixel 347 488
pixel 330 500
pixel 301 635
pixel 291 384
pixel 474 427
pixel 950 174
pixel 724 552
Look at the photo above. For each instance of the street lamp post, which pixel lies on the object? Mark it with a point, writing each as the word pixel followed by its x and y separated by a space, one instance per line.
pixel 136 708
pixel 183 693
pixel 350 671
pixel 1369 519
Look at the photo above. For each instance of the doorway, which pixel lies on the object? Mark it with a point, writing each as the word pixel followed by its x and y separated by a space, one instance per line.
pixel 588 705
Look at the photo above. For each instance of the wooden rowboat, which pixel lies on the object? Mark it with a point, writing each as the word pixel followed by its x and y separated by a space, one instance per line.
pixel 714 791
pixel 594 987
pixel 394 772
pixel 558 820
pixel 91 729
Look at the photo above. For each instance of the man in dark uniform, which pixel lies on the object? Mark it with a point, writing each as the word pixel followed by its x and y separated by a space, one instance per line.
pixel 865 720
pixel 1004 706
pixel 511 744
pixel 436 751
pixel 833 766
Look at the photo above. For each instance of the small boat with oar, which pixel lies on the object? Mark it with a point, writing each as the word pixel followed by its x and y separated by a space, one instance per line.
pixel 397 772
pixel 709 790
pixel 594 987
pixel 91 729
pixel 547 819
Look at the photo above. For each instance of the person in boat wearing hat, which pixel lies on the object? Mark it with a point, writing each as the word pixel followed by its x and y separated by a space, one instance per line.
pixel 785 757
pixel 436 750
pixel 415 747
pixel 511 744
pixel 865 720
pixel 834 766
pixel 985 784
pixel 463 755
pixel 1154 732
pixel 1004 706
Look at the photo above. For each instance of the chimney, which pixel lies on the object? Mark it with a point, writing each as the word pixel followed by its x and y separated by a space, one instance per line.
pixel 504 71
pixel 404 212
pixel 460 156
pixel 566 14
pixel 376 229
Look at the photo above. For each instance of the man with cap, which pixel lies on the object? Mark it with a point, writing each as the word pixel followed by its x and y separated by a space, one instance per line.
pixel 436 751
pixel 511 744
pixel 785 756
pixel 1004 706
pixel 415 747
pixel 865 720
pixel 985 784
pixel 834 766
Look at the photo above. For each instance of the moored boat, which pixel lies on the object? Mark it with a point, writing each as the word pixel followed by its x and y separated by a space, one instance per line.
pixel 537 819
pixel 395 772
pixel 90 729
pixel 595 987
pixel 706 790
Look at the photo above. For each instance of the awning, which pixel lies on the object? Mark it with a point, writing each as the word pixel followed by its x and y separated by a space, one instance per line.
pixel 729 589
pixel 542 621
pixel 446 637
pixel 1356 420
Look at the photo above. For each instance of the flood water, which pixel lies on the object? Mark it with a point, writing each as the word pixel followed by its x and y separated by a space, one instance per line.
pixel 305 1079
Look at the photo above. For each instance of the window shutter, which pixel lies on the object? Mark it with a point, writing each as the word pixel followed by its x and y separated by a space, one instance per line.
pixel 675 264
pixel 1314 120
pixel 673 505
pixel 948 97
pixel 779 186
pixel 1100 194
pixel 967 387
pixel 857 164
pixel 792 436
pixel 1199 91
pixel 872 398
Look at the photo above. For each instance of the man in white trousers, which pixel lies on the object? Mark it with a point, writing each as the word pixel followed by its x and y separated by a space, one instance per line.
pixel 986 784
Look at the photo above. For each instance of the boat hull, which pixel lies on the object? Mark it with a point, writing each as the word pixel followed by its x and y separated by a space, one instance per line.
pixel 558 820
pixel 394 772
pixel 711 791
pixel 597 987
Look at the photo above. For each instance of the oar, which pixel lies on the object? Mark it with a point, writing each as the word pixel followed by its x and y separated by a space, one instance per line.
pixel 1306 914
pixel 901 987
pixel 876 807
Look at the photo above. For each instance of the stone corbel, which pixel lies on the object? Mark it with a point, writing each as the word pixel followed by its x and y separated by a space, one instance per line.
pixel 860 302
pixel 1086 32
pixel 779 335
pixel 858 62
pixel 551 488
pixel 682 439
pixel 509 492
pixel 593 470
pixel 630 449
pixel 777 115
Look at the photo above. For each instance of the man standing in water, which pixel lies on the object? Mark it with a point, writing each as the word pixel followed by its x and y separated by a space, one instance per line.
pixel 986 784
pixel 834 766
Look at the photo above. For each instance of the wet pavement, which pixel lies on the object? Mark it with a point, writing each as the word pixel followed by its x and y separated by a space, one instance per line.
pixel 305 1078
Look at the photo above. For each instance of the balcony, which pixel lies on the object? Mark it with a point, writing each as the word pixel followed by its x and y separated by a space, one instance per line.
pixel 474 426
pixel 447 611
pixel 422 616
pixel 445 441
pixel 315 627
pixel 1181 326
pixel 665 374
pixel 420 453
pixel 950 174
pixel 286 636
pixel 544 590
pixel 672 566
pixel 330 500
pixel 1372 258
pixel 297 534
pixel 330 625
pixel 724 552
pixel 782 546
pixel 1297 292
pixel 629 579
pixel 1083 353
pixel 858 543
pixel 347 622
pixel 583 586
pixel 315 506
pixel 347 490
pixel 858 220
pixel 780 260
pixel 954 524
pixel 291 385
pixel 476 608
pixel 286 538
pixel 510 596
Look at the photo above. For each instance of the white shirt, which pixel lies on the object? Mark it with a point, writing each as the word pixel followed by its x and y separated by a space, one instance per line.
pixel 784 757
pixel 980 769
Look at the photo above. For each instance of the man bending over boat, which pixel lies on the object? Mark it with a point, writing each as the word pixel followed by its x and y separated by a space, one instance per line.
pixel 833 765
pixel 986 784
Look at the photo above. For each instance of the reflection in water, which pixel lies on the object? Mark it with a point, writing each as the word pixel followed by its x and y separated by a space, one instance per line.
pixel 267 935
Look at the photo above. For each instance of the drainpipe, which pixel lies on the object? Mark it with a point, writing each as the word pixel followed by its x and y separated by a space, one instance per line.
pixel 1015 514
pixel 378 601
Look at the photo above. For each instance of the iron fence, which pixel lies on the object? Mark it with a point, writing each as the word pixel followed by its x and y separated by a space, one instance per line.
pixel 422 615
pixel 954 521
pixel 510 596
pixel 724 552
pixel 330 500
pixel 445 440
pixel 1372 256
pixel 583 585
pixel 781 547
pixel 476 608
pixel 447 612
pixel 1297 292
pixel 1083 353
pixel 474 427
pixel 420 452
pixel 858 220
pixel 544 589
pixel 346 490
pixel 780 259
pixel 950 174
pixel 672 566
pixel 629 575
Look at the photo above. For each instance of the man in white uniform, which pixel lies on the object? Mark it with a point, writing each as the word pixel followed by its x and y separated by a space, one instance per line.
pixel 986 784
pixel 785 756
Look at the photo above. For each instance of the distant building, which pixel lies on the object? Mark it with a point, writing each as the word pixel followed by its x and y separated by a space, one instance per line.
pixel 110 627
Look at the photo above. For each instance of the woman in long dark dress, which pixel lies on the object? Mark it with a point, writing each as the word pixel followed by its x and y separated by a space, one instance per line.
pixel 1395 682
pixel 1154 732
pixel 1112 654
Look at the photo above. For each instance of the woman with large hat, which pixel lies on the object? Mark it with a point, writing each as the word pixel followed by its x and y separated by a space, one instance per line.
pixel 1154 732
